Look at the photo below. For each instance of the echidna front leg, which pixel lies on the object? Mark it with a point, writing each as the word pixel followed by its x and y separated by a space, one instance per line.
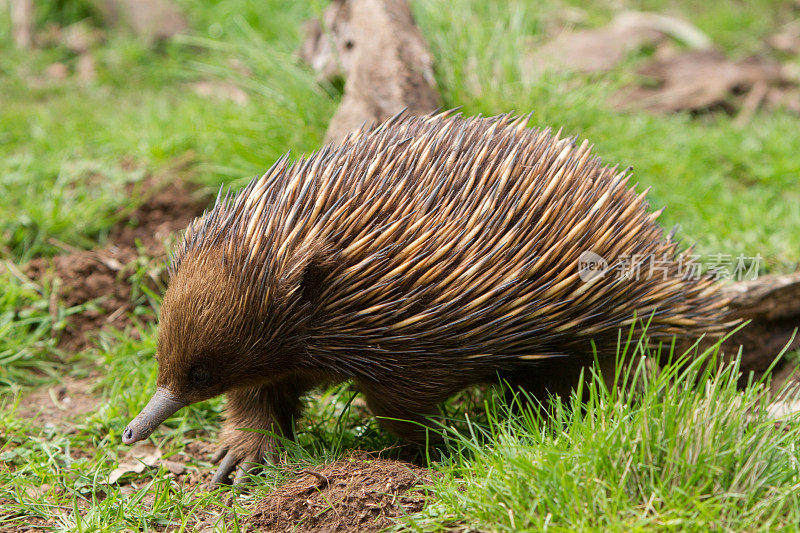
pixel 271 408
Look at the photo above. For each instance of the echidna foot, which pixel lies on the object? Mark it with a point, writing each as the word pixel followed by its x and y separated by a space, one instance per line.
pixel 234 460
pixel 258 418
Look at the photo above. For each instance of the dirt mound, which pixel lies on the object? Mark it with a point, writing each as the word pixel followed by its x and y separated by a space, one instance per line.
pixel 360 493
pixel 90 277
pixel 99 279
pixel 168 209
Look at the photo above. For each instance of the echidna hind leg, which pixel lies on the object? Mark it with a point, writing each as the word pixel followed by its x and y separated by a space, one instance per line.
pixel 271 408
pixel 407 417
pixel 541 382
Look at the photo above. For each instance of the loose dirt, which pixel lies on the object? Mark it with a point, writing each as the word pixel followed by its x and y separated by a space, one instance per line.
pixel 60 403
pixel 96 284
pixel 168 208
pixel 360 493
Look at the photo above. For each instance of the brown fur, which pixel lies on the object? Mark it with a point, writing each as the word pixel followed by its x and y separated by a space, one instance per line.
pixel 417 259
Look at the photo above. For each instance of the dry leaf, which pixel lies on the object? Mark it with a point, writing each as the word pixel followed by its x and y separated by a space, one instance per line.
pixel 80 37
pixel 138 458
pixel 174 467
pixel 85 69
pixel 787 98
pixel 57 71
pixel 787 39
pixel 153 20
pixel 36 493
pixel 783 408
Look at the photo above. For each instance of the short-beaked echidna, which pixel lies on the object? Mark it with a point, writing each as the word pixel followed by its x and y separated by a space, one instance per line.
pixel 416 259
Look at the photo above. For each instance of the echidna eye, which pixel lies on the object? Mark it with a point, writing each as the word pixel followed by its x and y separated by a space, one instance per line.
pixel 198 375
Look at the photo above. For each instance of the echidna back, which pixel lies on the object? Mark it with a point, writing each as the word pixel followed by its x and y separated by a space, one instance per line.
pixel 449 238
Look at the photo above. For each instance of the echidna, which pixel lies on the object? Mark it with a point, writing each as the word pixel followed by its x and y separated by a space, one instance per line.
pixel 416 259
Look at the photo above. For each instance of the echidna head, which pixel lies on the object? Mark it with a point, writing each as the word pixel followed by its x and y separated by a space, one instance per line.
pixel 214 335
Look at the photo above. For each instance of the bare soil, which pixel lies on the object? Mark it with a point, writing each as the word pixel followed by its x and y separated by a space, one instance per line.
pixel 99 278
pixel 60 403
pixel 360 493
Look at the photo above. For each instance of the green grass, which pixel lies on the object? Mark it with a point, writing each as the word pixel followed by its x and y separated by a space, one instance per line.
pixel 25 333
pixel 680 449
pixel 671 456
pixel 61 145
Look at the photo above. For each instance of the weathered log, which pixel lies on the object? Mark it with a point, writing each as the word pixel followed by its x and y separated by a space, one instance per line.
pixel 375 46
pixel 772 305
pixel 22 23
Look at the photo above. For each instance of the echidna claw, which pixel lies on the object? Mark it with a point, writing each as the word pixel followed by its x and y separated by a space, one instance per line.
pixel 246 467
pixel 229 463
pixel 219 454
pixel 227 466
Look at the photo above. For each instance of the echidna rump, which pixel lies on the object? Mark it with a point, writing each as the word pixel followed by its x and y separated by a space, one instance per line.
pixel 416 259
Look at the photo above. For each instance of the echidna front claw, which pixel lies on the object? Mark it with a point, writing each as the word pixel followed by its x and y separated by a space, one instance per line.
pixel 219 454
pixel 246 467
pixel 229 463
pixel 225 469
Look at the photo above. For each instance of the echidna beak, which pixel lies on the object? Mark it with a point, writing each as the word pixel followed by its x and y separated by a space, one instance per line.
pixel 161 406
